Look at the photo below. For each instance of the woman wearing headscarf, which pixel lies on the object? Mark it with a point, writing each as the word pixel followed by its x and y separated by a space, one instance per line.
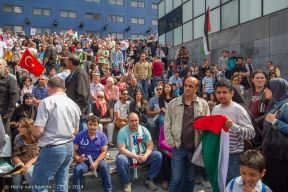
pixel 27 109
pixel 275 142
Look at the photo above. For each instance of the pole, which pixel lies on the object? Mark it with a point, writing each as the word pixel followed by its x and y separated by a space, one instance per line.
pixel 210 46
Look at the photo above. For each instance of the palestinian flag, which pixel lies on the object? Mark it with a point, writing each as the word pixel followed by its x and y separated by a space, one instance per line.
pixel 215 149
pixel 71 33
pixel 207 27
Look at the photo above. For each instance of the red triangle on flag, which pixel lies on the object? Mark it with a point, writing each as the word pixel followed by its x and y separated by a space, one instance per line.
pixel 29 62
pixel 70 31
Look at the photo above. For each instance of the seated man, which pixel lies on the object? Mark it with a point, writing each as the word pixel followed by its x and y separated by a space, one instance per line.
pixel 121 108
pixel 136 147
pixel 134 87
pixel 153 105
pixel 91 142
pixel 40 91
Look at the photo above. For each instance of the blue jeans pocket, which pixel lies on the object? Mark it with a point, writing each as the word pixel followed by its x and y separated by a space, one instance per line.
pixel 54 161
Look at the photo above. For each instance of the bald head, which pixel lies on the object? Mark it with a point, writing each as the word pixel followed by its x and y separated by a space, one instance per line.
pixel 192 80
pixel 191 87
pixel 100 93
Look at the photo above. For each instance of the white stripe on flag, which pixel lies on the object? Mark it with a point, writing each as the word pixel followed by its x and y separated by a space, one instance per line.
pixel 205 45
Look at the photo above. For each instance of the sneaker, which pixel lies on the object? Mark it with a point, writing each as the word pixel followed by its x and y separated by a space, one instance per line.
pixel 165 185
pixel 150 184
pixel 206 183
pixel 127 187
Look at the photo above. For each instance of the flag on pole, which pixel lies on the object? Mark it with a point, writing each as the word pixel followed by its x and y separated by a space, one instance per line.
pixel 29 62
pixel 71 33
pixel 207 27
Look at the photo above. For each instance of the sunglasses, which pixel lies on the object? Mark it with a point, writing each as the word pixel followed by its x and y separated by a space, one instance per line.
pixel 41 79
pixel 159 89
pixel 125 94
pixel 100 97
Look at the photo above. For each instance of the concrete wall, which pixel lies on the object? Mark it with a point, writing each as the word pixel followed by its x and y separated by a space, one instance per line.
pixel 262 40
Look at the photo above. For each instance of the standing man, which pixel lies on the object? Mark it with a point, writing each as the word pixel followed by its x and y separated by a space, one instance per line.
pixel 158 67
pixel 54 128
pixel 49 57
pixel 116 57
pixel 143 72
pixel 91 142
pixel 242 71
pixel 223 64
pixel 9 95
pixel 249 67
pixel 89 55
pixel 232 61
pixel 63 54
pixel 132 151
pixel 238 123
pixel 78 87
pixel 180 134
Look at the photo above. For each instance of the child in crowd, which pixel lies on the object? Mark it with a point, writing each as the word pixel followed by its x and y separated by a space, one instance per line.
pixel 252 168
pixel 208 83
pixel 165 76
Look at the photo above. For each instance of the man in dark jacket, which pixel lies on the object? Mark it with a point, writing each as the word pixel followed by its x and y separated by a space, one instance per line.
pixel 9 95
pixel 77 87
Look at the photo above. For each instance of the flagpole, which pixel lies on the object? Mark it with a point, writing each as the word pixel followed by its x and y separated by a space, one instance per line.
pixel 210 46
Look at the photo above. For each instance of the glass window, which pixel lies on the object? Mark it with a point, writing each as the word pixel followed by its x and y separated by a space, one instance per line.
pixel 168 6
pixel 212 3
pixel 134 20
pixel 15 28
pixel 161 10
pixel 141 4
pixel 141 21
pixel 95 1
pixel 120 19
pixel 177 15
pixel 199 26
pixel 224 1
pixel 199 7
pixel 133 37
pixel 162 25
pixel 36 11
pixel 187 11
pixel 229 14
pixel 88 16
pixel 162 39
pixel 271 6
pixel 154 22
pixel 93 33
pixel 116 2
pixel 169 21
pixel 249 10
pixel 42 30
pixel 73 15
pixel 113 2
pixel 7 8
pixel 177 3
pixel 114 18
pixel 169 38
pixel 18 9
pixel 12 9
pixel 117 35
pixel 63 13
pixel 187 32
pixel 46 12
pixel 154 6
pixel 215 20
pixel 133 3
pixel 93 16
pixel 178 36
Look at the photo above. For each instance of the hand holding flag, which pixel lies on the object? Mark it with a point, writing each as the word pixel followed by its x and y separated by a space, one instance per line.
pixel 29 62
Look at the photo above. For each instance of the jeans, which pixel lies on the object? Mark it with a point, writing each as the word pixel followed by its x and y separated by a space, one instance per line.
pixel 52 161
pixel 123 163
pixel 144 84
pixel 82 125
pixel 233 167
pixel 166 167
pixel 159 122
pixel 84 167
pixel 147 125
pixel 17 179
pixel 183 171
pixel 155 81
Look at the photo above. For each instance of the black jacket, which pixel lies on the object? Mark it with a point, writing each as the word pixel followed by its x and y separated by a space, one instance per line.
pixel 9 95
pixel 78 89
pixel 97 112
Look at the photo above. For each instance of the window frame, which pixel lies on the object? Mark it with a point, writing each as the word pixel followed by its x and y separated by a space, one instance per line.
pixel 137 20
pixel 93 1
pixel 42 11
pixel 154 20
pixel 13 6
pixel 88 32
pixel 42 30
pixel 13 26
pixel 116 3
pixel 133 1
pixel 93 14
pixel 154 5
pixel 142 36
pixel 116 37
pixel 116 18
pixel 68 14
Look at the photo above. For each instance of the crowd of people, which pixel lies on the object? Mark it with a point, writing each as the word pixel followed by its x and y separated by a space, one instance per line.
pixel 94 84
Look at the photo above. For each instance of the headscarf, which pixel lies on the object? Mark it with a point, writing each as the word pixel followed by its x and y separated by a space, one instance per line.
pixel 103 107
pixel 238 98
pixel 28 110
pixel 279 88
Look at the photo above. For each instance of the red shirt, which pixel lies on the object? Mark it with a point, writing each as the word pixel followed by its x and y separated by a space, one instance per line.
pixel 254 104
pixel 158 67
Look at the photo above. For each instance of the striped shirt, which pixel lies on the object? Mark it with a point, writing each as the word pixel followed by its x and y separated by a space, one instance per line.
pixel 242 127
pixel 209 84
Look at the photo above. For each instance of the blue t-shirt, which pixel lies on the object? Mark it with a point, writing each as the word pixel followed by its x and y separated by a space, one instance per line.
pixel 122 138
pixel 88 146
pixel 209 84
pixel 88 50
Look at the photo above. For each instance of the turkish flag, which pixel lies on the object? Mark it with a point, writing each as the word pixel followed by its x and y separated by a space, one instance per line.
pixel 29 62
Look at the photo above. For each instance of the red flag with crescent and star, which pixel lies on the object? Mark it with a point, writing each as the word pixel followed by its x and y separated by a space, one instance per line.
pixel 29 62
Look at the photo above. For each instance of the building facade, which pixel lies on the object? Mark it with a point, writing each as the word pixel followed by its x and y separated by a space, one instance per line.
pixel 253 28
pixel 119 18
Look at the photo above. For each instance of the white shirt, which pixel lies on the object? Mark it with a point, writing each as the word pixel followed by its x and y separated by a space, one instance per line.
pixel 2 47
pixel 239 186
pixel 122 108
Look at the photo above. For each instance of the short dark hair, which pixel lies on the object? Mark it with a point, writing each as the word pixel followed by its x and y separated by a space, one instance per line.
pixel 124 90
pixel 92 118
pixel 56 82
pixel 74 59
pixel 239 58
pixel 49 41
pixel 270 62
pixel 233 52
pixel 223 52
pixel 224 83
pixel 248 58
pixel 176 72
pixel 252 159
pixel 53 68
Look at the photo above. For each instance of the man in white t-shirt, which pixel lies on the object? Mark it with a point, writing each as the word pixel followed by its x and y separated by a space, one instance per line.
pixel 121 108
pixel 3 48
